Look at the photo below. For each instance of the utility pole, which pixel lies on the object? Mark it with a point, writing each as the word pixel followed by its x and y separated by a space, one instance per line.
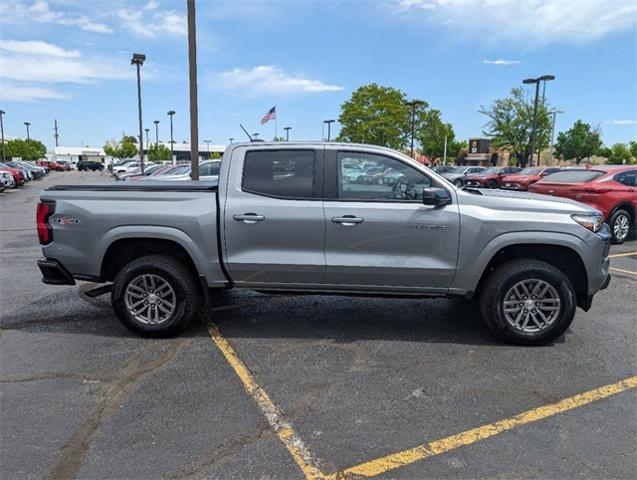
pixel 536 81
pixel 147 138
pixel 194 114
pixel 554 112
pixel 172 158
pixel 56 135
pixel 2 112
pixel 444 156
pixel 329 128
pixel 287 133
pixel 138 60
pixel 207 142
pixel 413 104
pixel 28 124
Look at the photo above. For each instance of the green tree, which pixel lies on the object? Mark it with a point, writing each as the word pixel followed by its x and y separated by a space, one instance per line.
pixel 581 141
pixel 377 115
pixel 620 153
pixel 158 152
pixel 25 149
pixel 633 148
pixel 511 122
pixel 430 132
pixel 215 156
pixel 125 148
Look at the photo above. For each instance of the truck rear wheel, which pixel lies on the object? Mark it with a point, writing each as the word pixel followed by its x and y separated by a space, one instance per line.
pixel 527 302
pixel 155 296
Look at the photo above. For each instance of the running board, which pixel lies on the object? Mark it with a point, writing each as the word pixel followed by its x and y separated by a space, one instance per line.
pixel 96 292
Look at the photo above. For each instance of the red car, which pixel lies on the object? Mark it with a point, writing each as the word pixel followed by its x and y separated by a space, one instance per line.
pixel 490 177
pixel 17 174
pixel 526 177
pixel 611 190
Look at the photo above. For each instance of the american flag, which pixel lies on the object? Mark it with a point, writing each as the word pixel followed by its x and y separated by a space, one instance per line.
pixel 271 115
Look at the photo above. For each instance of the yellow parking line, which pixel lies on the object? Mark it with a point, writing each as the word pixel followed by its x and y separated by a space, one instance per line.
pixel 282 428
pixel 406 457
pixel 628 254
pixel 622 270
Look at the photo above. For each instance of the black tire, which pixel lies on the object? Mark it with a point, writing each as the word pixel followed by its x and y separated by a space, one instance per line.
pixel 175 273
pixel 619 236
pixel 458 183
pixel 492 184
pixel 503 278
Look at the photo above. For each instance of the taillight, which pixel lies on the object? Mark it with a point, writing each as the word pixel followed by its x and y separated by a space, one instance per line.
pixel 42 215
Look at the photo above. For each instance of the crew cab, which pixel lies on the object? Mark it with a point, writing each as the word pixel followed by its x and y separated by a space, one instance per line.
pixel 610 189
pixel 490 177
pixel 283 218
pixel 526 177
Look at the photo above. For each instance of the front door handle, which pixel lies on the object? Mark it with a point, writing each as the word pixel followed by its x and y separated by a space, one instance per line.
pixel 249 218
pixel 347 220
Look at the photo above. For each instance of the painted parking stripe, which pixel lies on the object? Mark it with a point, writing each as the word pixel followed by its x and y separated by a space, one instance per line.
pixel 283 429
pixel 406 457
pixel 627 254
pixel 630 272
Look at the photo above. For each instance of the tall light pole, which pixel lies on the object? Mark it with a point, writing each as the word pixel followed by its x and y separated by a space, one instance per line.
pixel 207 142
pixel 255 135
pixel 170 114
pixel 536 81
pixel 147 130
pixel 56 135
pixel 287 133
pixel 231 139
pixel 413 104
pixel 329 128
pixel 2 112
pixel 28 124
pixel 554 112
pixel 138 60
pixel 192 74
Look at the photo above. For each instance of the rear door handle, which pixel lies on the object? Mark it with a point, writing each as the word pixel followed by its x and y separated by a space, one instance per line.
pixel 347 220
pixel 249 218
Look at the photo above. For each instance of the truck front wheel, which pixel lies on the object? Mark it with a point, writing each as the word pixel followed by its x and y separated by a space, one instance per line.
pixel 527 302
pixel 155 296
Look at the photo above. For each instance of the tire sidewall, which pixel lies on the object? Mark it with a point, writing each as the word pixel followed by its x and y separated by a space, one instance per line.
pixel 567 306
pixel 613 219
pixel 119 305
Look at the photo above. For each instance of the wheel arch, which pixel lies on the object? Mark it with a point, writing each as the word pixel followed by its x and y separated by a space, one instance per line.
pixel 625 205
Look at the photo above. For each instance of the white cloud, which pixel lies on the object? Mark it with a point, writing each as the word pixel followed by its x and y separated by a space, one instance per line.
pixel 151 5
pixel 622 122
pixel 21 93
pixel 150 25
pixel 41 12
pixel 527 21
pixel 500 61
pixel 37 48
pixel 268 79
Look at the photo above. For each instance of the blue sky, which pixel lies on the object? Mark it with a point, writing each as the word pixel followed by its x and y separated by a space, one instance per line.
pixel 70 60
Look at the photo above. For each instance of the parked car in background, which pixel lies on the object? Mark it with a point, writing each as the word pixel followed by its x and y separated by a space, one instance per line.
pixel 16 173
pixel 610 189
pixel 64 165
pixel 458 175
pixel 149 169
pixel 490 177
pixel 92 165
pixel 28 176
pixel 207 171
pixel 526 177
pixel 33 171
pixel 43 164
pixel 126 167
pixel 440 169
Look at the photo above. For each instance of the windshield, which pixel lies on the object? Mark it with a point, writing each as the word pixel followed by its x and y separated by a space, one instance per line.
pixel 530 171
pixel 574 176
pixel 457 170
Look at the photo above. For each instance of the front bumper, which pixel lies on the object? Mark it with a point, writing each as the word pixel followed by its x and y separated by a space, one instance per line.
pixel 54 273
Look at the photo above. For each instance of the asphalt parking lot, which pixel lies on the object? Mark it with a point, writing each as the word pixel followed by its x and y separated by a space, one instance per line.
pixel 292 386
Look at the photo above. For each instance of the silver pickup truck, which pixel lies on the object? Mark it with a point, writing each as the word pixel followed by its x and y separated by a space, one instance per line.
pixel 292 217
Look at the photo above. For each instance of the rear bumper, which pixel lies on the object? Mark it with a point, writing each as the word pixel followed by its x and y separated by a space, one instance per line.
pixel 54 273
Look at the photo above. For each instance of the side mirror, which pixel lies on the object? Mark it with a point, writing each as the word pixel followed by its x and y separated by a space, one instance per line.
pixel 435 196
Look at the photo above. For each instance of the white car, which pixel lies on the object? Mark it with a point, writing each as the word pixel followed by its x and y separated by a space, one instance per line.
pixel 207 171
pixel 126 167
pixel 7 180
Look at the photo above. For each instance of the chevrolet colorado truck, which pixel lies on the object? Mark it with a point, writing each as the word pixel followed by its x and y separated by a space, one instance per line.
pixel 284 217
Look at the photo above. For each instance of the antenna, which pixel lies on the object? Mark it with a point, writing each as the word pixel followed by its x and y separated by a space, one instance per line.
pixel 246 132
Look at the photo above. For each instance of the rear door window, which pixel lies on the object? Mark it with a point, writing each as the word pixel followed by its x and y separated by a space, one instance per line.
pixel 280 173
pixel 575 176
pixel 628 178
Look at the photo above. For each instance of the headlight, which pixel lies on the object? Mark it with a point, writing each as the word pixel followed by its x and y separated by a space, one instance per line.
pixel 592 221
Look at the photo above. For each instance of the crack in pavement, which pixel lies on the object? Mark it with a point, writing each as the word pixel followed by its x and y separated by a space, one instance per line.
pixel 70 458
pixel 49 376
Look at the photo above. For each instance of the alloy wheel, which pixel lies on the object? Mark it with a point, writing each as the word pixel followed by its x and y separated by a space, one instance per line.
pixel 150 299
pixel 621 227
pixel 531 306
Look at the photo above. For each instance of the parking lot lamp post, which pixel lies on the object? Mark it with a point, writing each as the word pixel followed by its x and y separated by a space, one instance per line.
pixel 287 133
pixel 329 128
pixel 27 125
pixel 536 81
pixel 170 114
pixel 207 142
pixel 2 112
pixel 255 135
pixel 231 139
pixel 413 104
pixel 192 80
pixel 156 122
pixel 138 61
pixel 147 130
pixel 554 112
